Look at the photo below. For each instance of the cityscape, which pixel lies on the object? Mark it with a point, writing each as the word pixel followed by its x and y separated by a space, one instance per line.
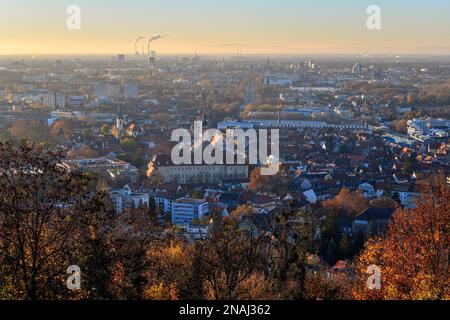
pixel 94 204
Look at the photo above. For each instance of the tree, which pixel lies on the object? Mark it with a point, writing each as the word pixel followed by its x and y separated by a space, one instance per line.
pixel 384 202
pixel 170 271
pixel 38 210
pixel 349 203
pixel 87 132
pixel 320 286
pixel 242 211
pixel 279 183
pixel 48 222
pixel 111 249
pixel 104 129
pixel 410 98
pixel 132 234
pixel 152 206
pixel 345 249
pixel 93 246
pixel 332 252
pixel 229 257
pixel 34 130
pixel 83 152
pixel 400 126
pixel 62 126
pixel 413 255
pixel 396 198
pixel 292 238
pixel 129 145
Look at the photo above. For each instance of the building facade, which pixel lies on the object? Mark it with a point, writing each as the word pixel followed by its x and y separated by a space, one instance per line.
pixel 186 174
pixel 186 210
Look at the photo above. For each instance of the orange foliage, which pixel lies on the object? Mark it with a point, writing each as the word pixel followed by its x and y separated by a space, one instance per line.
pixel 414 255
pixel 352 202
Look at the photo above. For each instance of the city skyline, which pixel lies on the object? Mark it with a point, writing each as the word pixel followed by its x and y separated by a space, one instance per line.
pixel 212 27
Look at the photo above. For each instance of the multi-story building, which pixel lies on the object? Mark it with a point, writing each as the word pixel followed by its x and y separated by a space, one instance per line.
pixel 96 164
pixel 125 198
pixel 162 165
pixel 75 101
pixel 429 129
pixel 272 79
pixel 131 91
pixel 164 199
pixel 54 101
pixel 186 210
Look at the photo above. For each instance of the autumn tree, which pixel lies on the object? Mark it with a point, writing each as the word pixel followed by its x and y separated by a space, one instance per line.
pixel 336 213
pixel 320 285
pixel 414 254
pixel 104 129
pixel 83 152
pixel 38 205
pixel 348 202
pixel 111 249
pixel 400 126
pixel 133 232
pixel 241 212
pixel 93 246
pixel 48 222
pixel 410 98
pixel 229 257
pixel 170 272
pixel 384 202
pixel 278 183
pixel 292 239
pixel 33 130
pixel 332 252
pixel 64 127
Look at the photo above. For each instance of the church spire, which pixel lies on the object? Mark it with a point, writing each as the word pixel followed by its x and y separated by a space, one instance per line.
pixel 204 119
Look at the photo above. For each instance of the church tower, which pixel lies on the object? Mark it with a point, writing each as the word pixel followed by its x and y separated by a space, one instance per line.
pixel 205 123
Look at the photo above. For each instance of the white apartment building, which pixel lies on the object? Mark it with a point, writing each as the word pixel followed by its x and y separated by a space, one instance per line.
pixel 186 210
pixel 54 101
pixel 125 198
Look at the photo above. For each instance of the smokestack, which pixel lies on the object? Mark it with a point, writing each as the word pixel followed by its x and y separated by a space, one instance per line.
pixel 154 38
pixel 136 44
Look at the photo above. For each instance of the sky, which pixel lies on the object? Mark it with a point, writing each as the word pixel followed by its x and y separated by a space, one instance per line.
pixel 38 27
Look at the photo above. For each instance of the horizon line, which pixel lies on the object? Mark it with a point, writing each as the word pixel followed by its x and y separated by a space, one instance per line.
pixel 249 54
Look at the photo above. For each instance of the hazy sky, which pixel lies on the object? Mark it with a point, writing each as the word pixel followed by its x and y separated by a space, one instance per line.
pixel 213 26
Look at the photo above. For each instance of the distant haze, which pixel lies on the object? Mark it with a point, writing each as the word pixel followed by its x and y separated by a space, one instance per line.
pixel 225 27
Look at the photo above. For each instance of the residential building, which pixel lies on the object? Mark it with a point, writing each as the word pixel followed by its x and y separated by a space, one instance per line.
pixel 372 221
pixel 187 210
pixel 54 101
pixel 125 198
